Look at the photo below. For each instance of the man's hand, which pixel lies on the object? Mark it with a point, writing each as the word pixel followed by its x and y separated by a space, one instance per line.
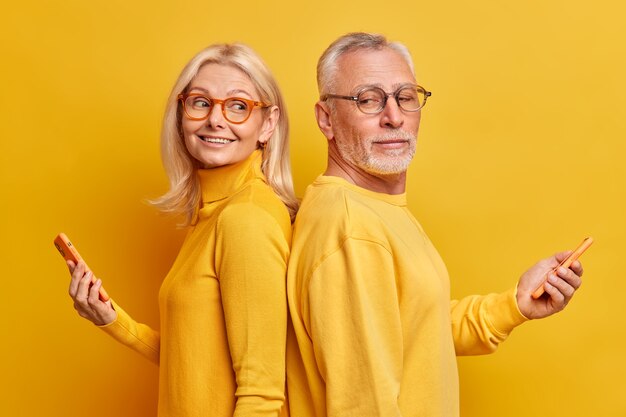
pixel 559 287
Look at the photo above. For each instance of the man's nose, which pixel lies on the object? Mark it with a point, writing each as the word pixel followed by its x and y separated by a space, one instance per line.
pixel 392 115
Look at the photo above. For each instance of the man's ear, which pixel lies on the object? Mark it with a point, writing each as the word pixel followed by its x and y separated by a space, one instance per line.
pixel 269 124
pixel 322 114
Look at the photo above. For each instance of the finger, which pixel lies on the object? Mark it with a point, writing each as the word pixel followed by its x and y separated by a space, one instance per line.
pixel 77 275
pixel 577 267
pixel 70 265
pixel 94 295
pixel 569 276
pixel 94 298
pixel 563 286
pixel 103 311
pixel 558 299
pixel 561 256
pixel 83 290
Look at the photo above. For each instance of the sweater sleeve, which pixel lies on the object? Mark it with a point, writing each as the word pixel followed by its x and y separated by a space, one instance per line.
pixel 137 336
pixel 251 263
pixel 481 323
pixel 354 319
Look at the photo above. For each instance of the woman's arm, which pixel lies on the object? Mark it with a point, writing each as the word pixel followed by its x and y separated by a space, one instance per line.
pixel 109 316
pixel 251 259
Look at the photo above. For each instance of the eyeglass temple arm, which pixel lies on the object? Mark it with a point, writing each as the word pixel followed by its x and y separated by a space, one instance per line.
pixel 327 96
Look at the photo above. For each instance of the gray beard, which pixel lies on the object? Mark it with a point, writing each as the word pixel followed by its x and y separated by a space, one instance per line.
pixel 394 162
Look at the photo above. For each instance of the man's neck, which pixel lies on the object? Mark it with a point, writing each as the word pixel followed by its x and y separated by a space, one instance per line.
pixel 388 184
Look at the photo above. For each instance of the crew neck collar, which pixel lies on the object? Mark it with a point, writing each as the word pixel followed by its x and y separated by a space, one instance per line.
pixel 395 199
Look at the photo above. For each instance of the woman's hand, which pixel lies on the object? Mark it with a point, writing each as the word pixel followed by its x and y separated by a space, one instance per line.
pixel 87 296
pixel 559 288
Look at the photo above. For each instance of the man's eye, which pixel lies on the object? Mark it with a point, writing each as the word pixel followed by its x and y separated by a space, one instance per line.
pixel 369 99
pixel 407 95
pixel 407 99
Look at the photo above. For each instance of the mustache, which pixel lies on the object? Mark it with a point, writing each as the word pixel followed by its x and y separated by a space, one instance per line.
pixel 394 134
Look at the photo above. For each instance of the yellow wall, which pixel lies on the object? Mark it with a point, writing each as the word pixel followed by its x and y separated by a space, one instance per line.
pixel 521 154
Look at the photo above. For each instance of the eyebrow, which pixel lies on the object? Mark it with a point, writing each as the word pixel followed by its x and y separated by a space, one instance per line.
pixel 395 87
pixel 230 93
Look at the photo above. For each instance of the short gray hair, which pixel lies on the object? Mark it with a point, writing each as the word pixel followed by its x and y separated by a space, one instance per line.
pixel 327 64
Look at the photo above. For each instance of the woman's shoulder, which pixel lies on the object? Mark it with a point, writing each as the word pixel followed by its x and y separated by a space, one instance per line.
pixel 255 204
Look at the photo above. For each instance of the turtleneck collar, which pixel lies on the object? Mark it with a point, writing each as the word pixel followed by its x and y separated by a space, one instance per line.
pixel 224 181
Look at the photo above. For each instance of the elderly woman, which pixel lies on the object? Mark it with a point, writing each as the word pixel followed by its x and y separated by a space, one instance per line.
pixel 221 344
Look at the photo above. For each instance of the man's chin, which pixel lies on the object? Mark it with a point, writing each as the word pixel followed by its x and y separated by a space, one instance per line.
pixel 389 164
pixel 386 168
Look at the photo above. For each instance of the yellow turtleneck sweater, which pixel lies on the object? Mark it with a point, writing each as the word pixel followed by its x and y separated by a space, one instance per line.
pixel 221 345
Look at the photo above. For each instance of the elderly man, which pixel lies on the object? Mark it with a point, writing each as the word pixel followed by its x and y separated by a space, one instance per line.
pixel 374 332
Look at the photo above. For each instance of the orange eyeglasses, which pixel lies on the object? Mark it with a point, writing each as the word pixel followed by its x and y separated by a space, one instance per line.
pixel 234 109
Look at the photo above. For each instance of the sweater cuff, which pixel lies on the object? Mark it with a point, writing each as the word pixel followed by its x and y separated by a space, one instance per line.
pixel 505 314
pixel 119 328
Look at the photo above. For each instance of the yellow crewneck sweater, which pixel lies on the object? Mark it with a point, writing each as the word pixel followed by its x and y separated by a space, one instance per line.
pixel 223 313
pixel 374 333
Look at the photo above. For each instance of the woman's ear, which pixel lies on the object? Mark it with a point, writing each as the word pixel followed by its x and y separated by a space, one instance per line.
pixel 269 125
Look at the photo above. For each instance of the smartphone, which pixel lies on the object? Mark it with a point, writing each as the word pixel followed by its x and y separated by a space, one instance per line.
pixel 69 252
pixel 566 264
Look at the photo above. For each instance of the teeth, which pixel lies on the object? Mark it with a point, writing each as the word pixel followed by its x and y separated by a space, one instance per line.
pixel 217 140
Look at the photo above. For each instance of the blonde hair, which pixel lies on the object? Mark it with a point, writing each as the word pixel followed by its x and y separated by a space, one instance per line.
pixel 184 194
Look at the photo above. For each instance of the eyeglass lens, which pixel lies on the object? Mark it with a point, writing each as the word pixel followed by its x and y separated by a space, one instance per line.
pixel 234 109
pixel 373 100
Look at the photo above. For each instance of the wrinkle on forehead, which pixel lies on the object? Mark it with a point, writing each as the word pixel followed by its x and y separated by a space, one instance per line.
pixel 223 80
pixel 230 93
pixel 383 68
pixel 394 87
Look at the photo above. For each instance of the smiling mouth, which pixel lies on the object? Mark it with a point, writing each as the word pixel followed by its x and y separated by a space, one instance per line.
pixel 210 139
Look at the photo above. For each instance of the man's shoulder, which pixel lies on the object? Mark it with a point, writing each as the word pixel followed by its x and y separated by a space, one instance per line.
pixel 330 212
pixel 334 218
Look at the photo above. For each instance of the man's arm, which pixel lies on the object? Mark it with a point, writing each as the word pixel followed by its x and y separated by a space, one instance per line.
pixel 481 323
pixel 354 323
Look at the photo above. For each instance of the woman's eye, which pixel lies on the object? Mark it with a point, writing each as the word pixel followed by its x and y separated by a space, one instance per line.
pixel 199 102
pixel 237 105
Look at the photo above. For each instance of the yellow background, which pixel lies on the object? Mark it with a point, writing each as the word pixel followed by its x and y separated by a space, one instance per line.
pixel 521 153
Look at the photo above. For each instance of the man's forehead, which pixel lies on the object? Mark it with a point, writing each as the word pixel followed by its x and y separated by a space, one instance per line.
pixel 384 68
